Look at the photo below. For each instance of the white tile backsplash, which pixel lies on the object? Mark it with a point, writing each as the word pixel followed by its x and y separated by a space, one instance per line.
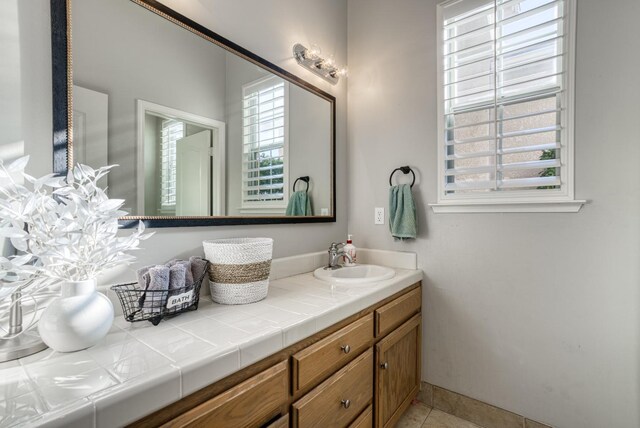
pixel 289 266
pixel 393 259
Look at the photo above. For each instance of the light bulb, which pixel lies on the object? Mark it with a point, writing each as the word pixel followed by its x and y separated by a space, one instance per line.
pixel 313 52
pixel 329 62
pixel 343 72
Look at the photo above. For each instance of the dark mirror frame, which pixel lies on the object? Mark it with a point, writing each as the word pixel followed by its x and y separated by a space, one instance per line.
pixel 62 98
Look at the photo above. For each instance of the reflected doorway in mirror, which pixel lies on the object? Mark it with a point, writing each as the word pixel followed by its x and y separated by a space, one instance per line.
pixel 90 128
pixel 181 162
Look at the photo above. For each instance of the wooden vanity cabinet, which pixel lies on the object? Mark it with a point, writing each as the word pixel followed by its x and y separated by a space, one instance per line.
pixel 397 371
pixel 362 372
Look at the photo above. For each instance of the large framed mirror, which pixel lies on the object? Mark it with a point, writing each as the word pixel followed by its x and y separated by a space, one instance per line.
pixel 204 131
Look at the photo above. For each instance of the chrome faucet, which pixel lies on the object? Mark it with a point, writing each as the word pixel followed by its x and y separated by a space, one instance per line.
pixel 335 252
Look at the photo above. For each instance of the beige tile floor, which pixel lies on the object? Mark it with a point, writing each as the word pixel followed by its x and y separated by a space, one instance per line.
pixel 419 415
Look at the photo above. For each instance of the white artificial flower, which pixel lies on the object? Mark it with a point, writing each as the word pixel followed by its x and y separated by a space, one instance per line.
pixel 65 228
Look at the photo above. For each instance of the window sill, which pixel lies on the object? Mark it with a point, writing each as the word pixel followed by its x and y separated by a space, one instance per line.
pixel 459 207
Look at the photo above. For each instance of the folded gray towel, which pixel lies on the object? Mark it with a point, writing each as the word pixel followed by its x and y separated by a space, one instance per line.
pixel 189 278
pixel 157 279
pixel 142 279
pixel 177 277
pixel 198 267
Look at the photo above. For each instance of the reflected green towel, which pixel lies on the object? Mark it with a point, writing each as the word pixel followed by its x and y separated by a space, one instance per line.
pixel 402 212
pixel 299 204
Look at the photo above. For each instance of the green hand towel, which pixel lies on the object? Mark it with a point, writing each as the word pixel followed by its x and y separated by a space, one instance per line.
pixel 402 212
pixel 299 204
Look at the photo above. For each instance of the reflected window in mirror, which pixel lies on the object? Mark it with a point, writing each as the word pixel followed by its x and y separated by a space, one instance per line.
pixel 265 163
pixel 172 131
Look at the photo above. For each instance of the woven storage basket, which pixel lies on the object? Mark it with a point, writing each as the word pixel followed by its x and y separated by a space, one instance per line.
pixel 239 269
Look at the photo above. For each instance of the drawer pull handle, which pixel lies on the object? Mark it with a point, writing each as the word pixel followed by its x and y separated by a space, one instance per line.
pixel 346 349
pixel 346 403
pixel 384 365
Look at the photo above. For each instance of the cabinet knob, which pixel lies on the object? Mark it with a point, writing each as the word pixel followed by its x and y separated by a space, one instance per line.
pixel 346 403
pixel 384 365
pixel 346 349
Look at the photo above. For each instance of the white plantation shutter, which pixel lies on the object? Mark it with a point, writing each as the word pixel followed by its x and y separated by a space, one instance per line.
pixel 172 131
pixel 264 163
pixel 503 98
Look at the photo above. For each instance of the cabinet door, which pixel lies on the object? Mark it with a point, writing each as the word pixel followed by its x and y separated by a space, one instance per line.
pixel 397 371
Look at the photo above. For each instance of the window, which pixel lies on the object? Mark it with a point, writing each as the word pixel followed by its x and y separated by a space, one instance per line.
pixel 505 106
pixel 172 131
pixel 265 145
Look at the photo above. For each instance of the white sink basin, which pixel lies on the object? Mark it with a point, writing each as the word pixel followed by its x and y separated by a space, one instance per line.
pixel 358 274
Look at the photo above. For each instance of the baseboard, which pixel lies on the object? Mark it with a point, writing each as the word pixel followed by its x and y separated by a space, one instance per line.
pixel 472 410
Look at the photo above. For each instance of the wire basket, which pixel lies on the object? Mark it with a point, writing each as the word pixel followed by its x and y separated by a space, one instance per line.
pixel 160 303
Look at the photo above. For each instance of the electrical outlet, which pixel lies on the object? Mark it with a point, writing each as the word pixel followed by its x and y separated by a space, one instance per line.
pixel 379 216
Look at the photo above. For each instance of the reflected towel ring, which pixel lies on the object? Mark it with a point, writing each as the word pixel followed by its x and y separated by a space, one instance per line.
pixel 405 170
pixel 305 179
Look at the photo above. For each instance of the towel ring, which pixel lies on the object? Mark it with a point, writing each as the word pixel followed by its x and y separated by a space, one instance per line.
pixel 405 170
pixel 305 179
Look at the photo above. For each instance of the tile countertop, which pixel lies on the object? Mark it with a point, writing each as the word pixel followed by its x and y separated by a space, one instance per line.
pixel 138 368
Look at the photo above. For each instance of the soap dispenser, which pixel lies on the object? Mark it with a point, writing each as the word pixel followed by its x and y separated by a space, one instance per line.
pixel 350 249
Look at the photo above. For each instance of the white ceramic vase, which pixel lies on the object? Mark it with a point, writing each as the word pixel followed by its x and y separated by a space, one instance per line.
pixel 78 319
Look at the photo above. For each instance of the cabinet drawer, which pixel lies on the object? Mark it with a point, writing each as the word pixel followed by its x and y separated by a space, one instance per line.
pixel 397 311
pixel 249 404
pixel 282 422
pixel 365 420
pixel 338 400
pixel 319 360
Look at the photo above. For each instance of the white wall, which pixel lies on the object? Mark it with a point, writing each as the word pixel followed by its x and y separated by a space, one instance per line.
pixel 25 93
pixel 270 30
pixel 11 144
pixel 535 313
pixel 10 79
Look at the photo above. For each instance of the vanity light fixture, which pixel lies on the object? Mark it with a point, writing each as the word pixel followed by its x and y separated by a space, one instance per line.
pixel 312 60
